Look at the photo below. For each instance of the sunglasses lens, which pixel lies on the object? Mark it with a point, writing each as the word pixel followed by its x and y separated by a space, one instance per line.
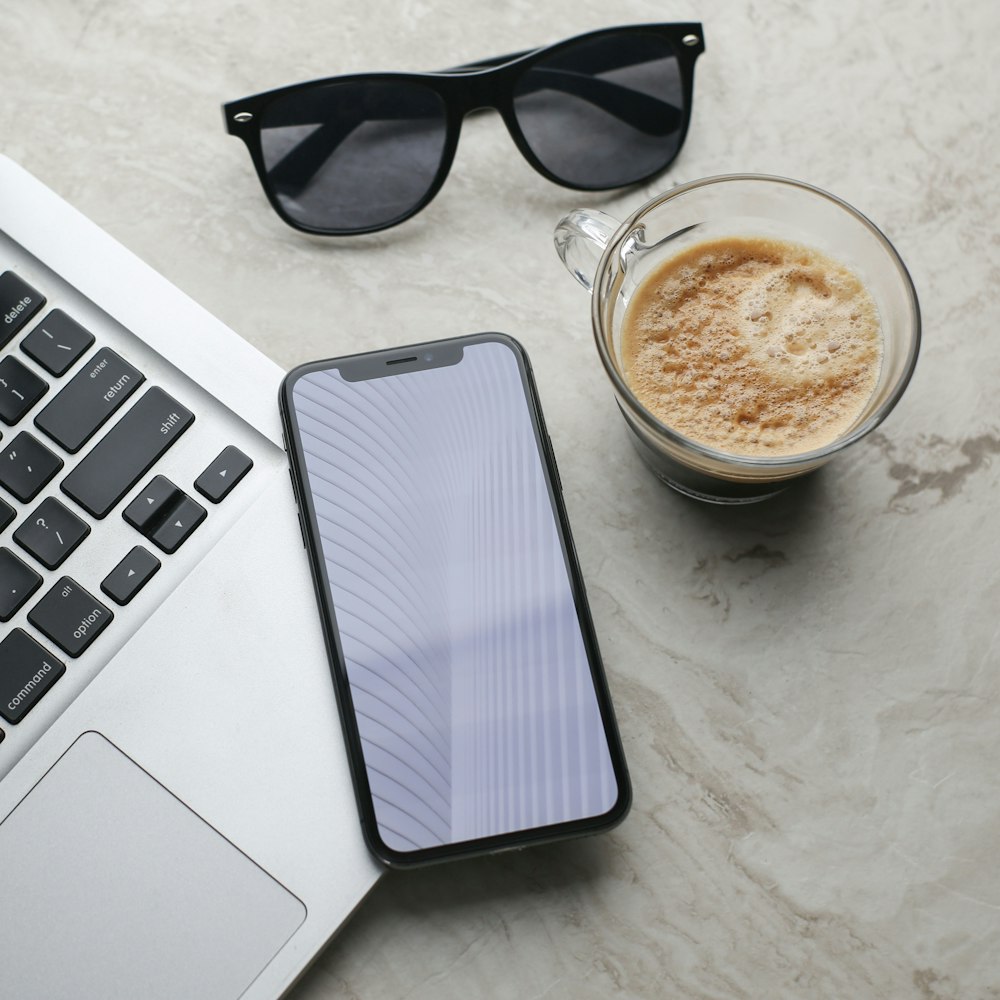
pixel 604 112
pixel 355 154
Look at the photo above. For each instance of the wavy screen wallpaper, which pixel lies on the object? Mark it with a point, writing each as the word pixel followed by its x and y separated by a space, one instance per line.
pixel 473 693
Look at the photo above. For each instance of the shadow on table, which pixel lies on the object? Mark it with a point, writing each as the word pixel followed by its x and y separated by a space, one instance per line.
pixel 461 893
pixel 476 883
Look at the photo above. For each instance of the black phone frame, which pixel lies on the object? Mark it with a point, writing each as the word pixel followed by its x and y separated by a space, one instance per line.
pixel 398 361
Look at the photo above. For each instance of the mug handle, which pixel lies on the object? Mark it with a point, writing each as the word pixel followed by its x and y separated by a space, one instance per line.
pixel 581 238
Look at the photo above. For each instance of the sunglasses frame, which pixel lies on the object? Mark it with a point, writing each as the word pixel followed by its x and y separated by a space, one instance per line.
pixel 489 83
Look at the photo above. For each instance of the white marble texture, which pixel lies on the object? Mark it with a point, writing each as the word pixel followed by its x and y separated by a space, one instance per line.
pixel 808 690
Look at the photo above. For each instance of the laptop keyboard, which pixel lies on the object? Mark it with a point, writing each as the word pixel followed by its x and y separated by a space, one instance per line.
pixel 65 397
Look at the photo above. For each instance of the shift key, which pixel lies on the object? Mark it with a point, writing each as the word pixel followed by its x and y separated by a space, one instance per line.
pixel 89 399
pixel 117 462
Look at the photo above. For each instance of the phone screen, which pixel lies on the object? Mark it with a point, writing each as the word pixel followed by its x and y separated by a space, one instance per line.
pixel 479 702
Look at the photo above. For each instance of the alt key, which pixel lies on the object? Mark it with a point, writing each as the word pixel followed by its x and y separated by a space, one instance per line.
pixel 70 617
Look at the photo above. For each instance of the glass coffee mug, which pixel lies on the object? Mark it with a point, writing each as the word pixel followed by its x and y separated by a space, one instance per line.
pixel 611 259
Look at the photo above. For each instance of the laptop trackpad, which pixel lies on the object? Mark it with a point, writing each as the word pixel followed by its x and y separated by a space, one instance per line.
pixel 120 890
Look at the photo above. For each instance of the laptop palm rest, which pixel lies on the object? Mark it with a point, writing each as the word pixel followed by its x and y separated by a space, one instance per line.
pixel 99 913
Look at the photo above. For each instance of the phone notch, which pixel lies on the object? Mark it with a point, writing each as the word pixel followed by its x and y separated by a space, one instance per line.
pixel 415 358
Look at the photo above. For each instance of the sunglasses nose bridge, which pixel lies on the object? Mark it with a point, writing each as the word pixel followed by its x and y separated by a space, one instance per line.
pixel 479 92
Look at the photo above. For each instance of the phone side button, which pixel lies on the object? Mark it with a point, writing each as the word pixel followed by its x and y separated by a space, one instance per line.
pixel 302 529
pixel 555 464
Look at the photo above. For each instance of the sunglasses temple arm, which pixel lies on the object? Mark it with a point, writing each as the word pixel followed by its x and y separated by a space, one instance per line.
pixel 303 161
pixel 490 63
pixel 293 172
pixel 648 114
pixel 642 111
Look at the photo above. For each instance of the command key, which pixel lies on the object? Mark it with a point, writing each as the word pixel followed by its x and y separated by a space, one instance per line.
pixel 27 671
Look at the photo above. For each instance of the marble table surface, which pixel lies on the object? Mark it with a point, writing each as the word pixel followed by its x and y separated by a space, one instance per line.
pixel 809 689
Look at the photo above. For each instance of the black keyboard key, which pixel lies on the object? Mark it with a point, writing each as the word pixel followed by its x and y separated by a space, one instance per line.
pixel 152 504
pixel 27 671
pixel 57 342
pixel 130 575
pixel 126 452
pixel 89 399
pixel 51 532
pixel 17 583
pixel 26 465
pixel 70 616
pixel 7 514
pixel 20 389
pixel 164 514
pixel 18 303
pixel 218 480
pixel 178 525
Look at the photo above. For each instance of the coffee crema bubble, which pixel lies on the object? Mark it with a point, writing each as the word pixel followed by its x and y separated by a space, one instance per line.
pixel 753 345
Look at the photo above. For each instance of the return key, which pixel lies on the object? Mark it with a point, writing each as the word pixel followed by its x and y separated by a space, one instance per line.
pixel 89 399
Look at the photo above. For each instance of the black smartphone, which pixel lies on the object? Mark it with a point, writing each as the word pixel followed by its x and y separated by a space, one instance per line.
pixel 470 686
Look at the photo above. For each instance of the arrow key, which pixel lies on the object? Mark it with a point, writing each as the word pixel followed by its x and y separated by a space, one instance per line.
pixel 217 481
pixel 178 525
pixel 130 575
pixel 164 514
pixel 152 504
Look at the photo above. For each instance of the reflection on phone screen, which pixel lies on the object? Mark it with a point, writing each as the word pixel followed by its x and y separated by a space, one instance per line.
pixel 473 692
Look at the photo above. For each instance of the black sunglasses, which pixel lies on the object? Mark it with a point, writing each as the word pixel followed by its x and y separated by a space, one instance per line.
pixel 355 154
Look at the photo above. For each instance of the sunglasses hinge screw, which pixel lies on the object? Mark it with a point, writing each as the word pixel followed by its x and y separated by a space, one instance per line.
pixel 243 116
pixel 690 39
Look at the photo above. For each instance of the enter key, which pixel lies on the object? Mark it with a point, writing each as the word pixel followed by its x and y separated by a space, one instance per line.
pixel 89 399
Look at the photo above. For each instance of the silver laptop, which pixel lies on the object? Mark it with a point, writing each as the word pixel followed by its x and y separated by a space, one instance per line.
pixel 176 814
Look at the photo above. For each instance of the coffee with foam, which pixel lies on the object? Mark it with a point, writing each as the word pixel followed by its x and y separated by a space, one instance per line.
pixel 753 346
